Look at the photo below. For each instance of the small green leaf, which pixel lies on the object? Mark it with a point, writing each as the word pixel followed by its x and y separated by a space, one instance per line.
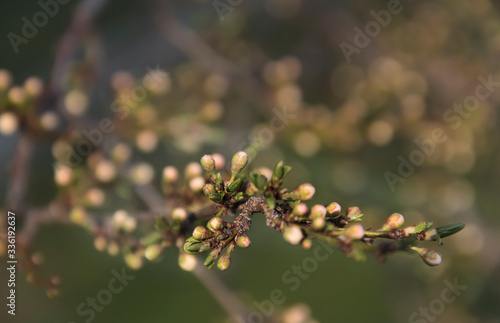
pixel 270 200
pixel 234 185
pixel 423 226
pixel 258 180
pixel 450 229
pixel 161 223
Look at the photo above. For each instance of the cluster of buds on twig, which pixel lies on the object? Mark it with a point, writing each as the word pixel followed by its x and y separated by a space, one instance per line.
pixel 244 193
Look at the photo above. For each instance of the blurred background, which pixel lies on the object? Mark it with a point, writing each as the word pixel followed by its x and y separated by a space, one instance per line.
pixel 362 85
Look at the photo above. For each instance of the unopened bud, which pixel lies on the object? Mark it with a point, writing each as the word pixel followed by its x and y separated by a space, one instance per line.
pixel 224 262
pixel 353 210
pixel 293 234
pixel 215 224
pixel 306 243
pixel 394 221
pixel 179 214
pixel 219 161
pixel 354 213
pixel 196 247
pixel 300 209
pixel 100 243
pixel 187 262
pixel 333 208
pixel 430 257
pixel 304 192
pixel 208 163
pixel 196 184
pixel 318 211
pixel 152 252
pixel 242 241
pixel 192 170
pixel 209 189
pixel 33 86
pixel 133 260
pixel 354 232
pixel 318 223
pixel 8 123
pixel 239 162
pixel 201 233
pixel 170 174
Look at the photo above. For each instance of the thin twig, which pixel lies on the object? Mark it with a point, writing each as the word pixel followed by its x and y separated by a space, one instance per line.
pixel 221 293
pixel 20 171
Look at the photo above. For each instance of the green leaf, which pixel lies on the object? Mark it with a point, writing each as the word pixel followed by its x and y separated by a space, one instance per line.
pixel 161 223
pixel 219 182
pixel 450 229
pixel 270 200
pixel 423 226
pixel 258 180
pixel 234 185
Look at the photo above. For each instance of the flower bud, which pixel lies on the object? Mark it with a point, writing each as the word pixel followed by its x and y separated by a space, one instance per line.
pixel 100 243
pixel 219 161
pixel 113 248
pixel 8 123
pixel 33 86
pixel 5 79
pixel 209 189
pixel 224 262
pixel 430 257
pixel 179 214
pixel 333 208
pixel 187 262
pixel 196 184
pixel 355 232
pixel 306 243
pixel 210 260
pixel 152 252
pixel 394 221
pixel 215 224
pixel 354 213
pixel 133 260
pixel 242 241
pixel 170 174
pixel 293 234
pixel 300 209
pixel 353 210
pixel 239 161
pixel 208 163
pixel 318 211
pixel 201 233
pixel 192 170
pixel 318 223
pixel 304 192
pixel 194 247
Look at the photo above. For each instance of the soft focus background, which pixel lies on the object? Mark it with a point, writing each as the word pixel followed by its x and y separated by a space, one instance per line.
pixel 230 69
